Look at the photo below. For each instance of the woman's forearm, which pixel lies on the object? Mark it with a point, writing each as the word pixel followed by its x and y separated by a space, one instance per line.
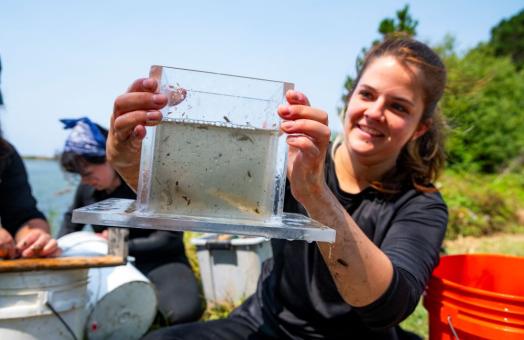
pixel 361 271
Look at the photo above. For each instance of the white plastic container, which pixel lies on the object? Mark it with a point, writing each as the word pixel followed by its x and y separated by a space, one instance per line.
pixel 27 301
pixel 122 301
pixel 230 268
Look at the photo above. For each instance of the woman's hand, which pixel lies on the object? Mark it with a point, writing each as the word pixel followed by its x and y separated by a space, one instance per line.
pixel 103 234
pixel 37 243
pixel 308 140
pixel 7 245
pixel 134 110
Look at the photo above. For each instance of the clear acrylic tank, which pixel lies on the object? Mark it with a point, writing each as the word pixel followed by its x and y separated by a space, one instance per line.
pixel 215 163
pixel 217 152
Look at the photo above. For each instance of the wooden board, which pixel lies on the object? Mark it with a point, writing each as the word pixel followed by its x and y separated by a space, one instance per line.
pixel 59 263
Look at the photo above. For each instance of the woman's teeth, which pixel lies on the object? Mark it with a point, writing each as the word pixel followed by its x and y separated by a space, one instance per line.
pixel 369 130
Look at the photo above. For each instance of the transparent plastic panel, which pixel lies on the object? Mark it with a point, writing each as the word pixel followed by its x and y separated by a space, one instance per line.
pixel 217 151
pixel 122 213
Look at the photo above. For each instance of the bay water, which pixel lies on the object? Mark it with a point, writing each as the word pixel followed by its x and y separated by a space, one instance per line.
pixel 52 188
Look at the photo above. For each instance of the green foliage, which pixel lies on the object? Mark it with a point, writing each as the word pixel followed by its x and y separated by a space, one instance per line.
pixel 403 24
pixel 482 204
pixel 191 252
pixel 483 104
pixel 417 322
pixel 507 39
pixel 219 311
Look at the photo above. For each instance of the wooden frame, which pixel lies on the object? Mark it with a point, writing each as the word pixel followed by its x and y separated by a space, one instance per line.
pixel 117 255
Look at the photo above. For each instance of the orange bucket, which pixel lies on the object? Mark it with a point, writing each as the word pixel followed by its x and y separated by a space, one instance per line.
pixel 476 296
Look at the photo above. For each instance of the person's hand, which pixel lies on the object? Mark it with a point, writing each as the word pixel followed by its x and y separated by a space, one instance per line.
pixel 103 234
pixel 308 140
pixel 37 243
pixel 7 245
pixel 132 112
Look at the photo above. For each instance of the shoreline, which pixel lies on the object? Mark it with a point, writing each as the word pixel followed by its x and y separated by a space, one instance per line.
pixel 39 158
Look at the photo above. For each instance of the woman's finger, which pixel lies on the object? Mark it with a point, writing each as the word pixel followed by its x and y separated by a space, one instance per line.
pixel 124 125
pixel 50 248
pixel 297 98
pixel 305 144
pixel 36 248
pixel 293 112
pixel 315 130
pixel 143 85
pixel 7 250
pixel 138 101
pixel 28 240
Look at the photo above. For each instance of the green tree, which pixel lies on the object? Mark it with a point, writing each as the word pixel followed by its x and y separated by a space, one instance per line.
pixel 401 25
pixel 507 39
pixel 483 106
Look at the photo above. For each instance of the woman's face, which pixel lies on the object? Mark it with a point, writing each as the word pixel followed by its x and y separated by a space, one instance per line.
pixel 100 176
pixel 384 112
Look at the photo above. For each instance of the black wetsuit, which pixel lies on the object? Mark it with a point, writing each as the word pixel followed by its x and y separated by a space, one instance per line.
pixel 158 254
pixel 17 204
pixel 296 297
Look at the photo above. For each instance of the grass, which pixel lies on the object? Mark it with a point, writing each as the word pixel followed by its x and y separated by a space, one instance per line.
pixel 511 244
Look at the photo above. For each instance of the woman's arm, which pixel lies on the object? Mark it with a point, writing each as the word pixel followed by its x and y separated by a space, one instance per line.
pixel 361 271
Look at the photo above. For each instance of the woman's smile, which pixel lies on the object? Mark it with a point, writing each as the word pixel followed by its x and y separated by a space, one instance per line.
pixel 368 131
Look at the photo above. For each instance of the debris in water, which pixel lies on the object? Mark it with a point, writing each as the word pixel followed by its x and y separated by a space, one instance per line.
pixel 176 96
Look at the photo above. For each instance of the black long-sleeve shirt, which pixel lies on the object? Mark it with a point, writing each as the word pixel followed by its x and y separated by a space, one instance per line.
pixel 17 204
pixel 145 245
pixel 296 297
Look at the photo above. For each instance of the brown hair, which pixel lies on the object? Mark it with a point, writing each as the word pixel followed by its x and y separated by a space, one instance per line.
pixel 421 160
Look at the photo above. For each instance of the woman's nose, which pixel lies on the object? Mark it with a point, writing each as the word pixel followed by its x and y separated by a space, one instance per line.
pixel 375 110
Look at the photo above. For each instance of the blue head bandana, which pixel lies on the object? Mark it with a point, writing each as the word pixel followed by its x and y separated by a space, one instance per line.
pixel 85 138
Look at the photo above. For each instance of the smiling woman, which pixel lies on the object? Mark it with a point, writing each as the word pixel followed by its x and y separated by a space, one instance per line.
pixel 374 188
pixel 392 117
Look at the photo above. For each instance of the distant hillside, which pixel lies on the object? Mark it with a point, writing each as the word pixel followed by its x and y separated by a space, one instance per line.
pixel 40 158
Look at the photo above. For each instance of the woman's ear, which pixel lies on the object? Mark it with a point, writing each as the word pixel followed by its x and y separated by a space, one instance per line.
pixel 422 128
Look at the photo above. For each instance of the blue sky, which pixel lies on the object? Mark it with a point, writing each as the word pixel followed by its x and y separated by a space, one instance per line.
pixel 72 58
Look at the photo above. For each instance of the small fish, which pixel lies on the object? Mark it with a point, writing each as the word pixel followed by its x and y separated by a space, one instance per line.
pixel 176 97
pixel 249 174
pixel 242 137
pixel 234 200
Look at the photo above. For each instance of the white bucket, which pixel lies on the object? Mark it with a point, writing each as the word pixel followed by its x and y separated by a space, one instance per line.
pixel 230 268
pixel 29 301
pixel 122 302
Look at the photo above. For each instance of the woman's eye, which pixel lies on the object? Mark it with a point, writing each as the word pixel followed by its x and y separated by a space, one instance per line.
pixel 365 94
pixel 399 108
